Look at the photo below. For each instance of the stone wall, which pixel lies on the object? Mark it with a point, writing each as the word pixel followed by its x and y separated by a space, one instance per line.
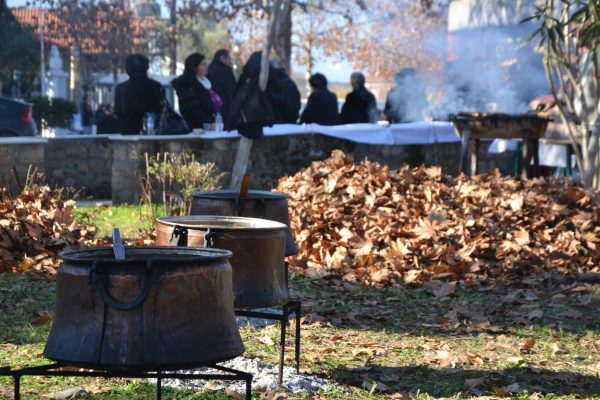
pixel 106 166
pixel 275 156
pixel 81 162
pixel 20 154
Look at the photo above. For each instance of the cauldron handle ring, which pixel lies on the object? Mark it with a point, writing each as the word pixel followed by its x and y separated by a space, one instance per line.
pixel 99 283
pixel 181 234
pixel 209 238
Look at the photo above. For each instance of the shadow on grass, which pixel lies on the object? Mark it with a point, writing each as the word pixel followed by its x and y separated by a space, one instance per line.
pixel 447 382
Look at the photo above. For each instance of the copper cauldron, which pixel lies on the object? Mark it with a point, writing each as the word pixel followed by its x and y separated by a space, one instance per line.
pixel 258 245
pixel 160 308
pixel 258 204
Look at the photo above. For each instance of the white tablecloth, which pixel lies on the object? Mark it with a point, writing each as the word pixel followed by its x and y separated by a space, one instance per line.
pixel 414 133
pixel 395 134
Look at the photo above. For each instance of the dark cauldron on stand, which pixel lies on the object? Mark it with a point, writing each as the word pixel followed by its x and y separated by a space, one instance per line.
pixel 258 245
pixel 258 204
pixel 160 308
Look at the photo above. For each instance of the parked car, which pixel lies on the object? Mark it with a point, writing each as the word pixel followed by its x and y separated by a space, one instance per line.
pixel 16 118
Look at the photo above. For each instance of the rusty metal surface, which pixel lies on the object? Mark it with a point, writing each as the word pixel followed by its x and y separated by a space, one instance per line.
pixel 186 319
pixel 500 125
pixel 259 204
pixel 258 247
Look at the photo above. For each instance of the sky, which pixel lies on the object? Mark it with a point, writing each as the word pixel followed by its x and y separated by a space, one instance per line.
pixel 16 3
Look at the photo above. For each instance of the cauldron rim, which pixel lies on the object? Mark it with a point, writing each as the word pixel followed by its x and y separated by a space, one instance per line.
pixel 220 222
pixel 156 253
pixel 231 194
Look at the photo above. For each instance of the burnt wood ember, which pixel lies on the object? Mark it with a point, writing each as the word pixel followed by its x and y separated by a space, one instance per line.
pixel 473 126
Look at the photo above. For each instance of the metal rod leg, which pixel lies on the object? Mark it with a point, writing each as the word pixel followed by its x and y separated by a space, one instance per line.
pixel 17 380
pixel 249 388
pixel 281 355
pixel 298 311
pixel 158 386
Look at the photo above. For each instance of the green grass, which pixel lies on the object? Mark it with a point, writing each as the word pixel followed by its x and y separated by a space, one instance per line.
pixel 393 336
pixel 351 346
pixel 132 221
pixel 23 302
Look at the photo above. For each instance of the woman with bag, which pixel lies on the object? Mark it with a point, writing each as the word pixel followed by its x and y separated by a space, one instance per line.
pixel 252 109
pixel 198 102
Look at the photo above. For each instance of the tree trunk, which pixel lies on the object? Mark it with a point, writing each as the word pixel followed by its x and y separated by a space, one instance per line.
pixel 282 44
pixel 173 37
pixel 595 155
pixel 245 145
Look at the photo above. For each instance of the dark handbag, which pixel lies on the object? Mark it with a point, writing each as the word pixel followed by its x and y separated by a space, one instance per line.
pixel 250 110
pixel 171 123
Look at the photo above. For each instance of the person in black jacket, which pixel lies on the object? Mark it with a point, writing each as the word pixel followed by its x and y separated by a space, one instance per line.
pixel 274 90
pixel 252 109
pixel 198 102
pixel 289 115
pixel 106 122
pixel 137 96
pixel 321 107
pixel 220 74
pixel 360 105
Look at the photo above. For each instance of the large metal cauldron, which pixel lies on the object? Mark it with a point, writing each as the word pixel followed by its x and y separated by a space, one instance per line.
pixel 160 308
pixel 258 261
pixel 258 204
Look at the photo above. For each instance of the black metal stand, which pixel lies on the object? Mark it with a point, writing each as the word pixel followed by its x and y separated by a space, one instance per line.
pixel 55 370
pixel 287 309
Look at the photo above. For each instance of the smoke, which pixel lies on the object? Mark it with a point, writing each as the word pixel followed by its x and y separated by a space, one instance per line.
pixel 487 69
pixel 407 101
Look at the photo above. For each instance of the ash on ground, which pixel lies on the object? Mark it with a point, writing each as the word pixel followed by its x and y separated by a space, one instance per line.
pixel 260 322
pixel 264 378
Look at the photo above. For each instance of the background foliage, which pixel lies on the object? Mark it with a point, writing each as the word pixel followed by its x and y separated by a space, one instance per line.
pixel 52 113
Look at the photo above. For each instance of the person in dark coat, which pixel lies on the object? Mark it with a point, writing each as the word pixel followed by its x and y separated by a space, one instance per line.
pixel 322 106
pixel 289 114
pixel 360 105
pixel 220 74
pixel 137 96
pixel 198 101
pixel 274 90
pixel 106 122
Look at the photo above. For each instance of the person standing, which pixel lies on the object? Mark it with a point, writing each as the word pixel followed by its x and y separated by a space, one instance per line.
pixel 198 101
pixel 220 74
pixel 360 105
pixel 291 94
pixel 252 109
pixel 322 106
pixel 137 96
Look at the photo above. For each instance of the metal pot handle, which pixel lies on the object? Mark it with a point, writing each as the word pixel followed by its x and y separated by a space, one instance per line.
pixel 99 279
pixel 209 237
pixel 180 233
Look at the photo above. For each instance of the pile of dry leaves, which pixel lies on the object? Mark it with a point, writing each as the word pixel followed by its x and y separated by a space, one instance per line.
pixel 370 224
pixel 35 226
